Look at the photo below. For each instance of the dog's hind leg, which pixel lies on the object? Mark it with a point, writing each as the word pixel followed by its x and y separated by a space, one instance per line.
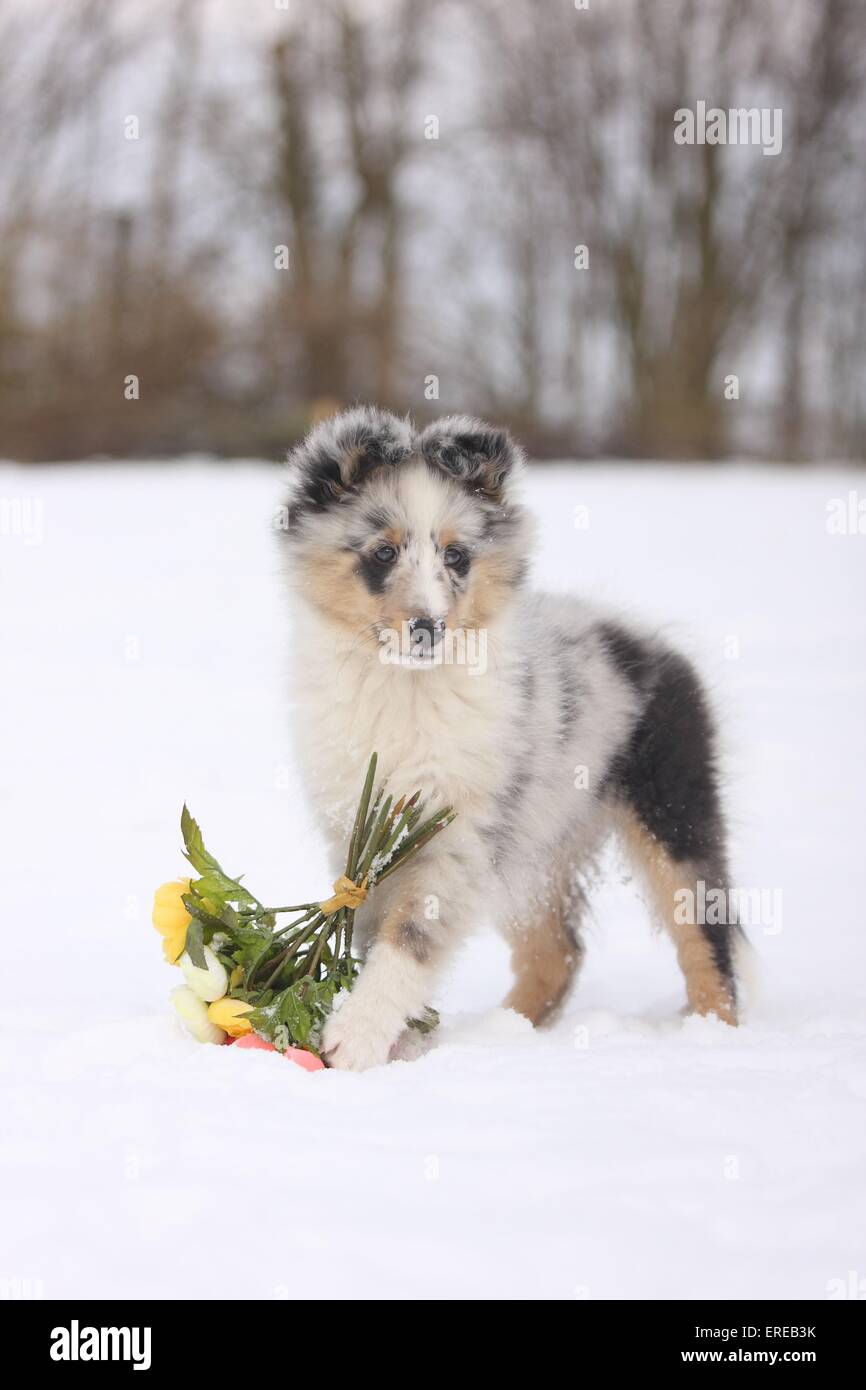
pixel 546 953
pixel 666 786
pixel 678 894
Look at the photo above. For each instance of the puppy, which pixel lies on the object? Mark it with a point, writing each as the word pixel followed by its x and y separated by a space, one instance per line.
pixel 545 724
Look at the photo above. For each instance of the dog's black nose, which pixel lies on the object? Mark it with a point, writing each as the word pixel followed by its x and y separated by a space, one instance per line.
pixel 424 633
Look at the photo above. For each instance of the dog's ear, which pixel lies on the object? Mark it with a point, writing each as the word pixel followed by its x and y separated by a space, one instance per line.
pixel 339 454
pixel 480 456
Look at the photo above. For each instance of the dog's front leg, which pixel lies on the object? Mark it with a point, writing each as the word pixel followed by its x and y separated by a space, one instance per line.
pixel 401 966
pixel 415 932
pixel 394 985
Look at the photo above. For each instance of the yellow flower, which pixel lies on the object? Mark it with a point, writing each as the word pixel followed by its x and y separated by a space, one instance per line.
pixel 172 946
pixel 171 918
pixel 228 1014
pixel 192 1012
pixel 169 912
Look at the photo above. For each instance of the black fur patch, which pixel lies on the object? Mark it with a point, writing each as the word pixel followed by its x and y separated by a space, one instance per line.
pixel 633 658
pixel 477 455
pixel 667 773
pixel 374 575
pixel 339 454
pixel 720 939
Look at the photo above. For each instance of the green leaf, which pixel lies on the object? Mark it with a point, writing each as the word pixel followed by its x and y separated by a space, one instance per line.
pixel 213 882
pixel 194 844
pixel 195 946
pixel 264 1021
pixel 294 1014
pixel 248 943
pixel 195 909
pixel 286 1012
pixel 426 1023
pixel 319 998
pixel 361 817
pixel 297 1014
pixel 217 885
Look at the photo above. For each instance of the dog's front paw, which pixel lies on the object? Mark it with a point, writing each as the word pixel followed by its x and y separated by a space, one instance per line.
pixel 355 1039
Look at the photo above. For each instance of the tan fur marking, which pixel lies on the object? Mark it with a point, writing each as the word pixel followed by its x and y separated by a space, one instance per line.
pixel 349 463
pixel 402 930
pixel 544 954
pixel 706 990
pixel 492 581
pixel 329 581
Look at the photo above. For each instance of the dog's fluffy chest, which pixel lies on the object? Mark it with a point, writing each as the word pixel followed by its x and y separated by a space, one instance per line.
pixel 445 730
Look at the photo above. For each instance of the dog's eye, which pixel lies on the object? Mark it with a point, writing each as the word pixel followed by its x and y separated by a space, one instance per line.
pixel 454 556
pixel 385 554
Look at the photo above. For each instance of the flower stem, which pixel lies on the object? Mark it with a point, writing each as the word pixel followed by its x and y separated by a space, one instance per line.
pixel 292 949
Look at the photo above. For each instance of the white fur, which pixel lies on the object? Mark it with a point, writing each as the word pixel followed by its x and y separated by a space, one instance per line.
pixel 456 735
pixel 391 988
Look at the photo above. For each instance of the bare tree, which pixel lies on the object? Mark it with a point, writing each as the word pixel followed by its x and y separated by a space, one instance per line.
pixel 695 252
pixel 344 82
pixel 455 257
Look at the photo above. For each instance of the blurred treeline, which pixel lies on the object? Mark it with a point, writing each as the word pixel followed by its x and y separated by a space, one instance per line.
pixel 430 167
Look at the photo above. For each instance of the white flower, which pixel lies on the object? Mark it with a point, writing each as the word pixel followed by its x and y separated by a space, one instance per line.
pixel 192 1012
pixel 210 983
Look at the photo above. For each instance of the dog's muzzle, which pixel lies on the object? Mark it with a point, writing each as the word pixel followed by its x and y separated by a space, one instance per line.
pixel 424 635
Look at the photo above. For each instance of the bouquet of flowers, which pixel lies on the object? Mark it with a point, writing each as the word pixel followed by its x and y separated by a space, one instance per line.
pixel 248 975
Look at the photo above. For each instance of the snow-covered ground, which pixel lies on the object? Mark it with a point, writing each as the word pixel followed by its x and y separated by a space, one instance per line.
pixel 626 1152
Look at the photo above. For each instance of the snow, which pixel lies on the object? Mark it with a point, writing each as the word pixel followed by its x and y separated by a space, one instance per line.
pixel 624 1153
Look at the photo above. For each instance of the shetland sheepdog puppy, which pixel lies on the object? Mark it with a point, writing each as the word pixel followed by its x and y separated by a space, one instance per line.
pixel 546 724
